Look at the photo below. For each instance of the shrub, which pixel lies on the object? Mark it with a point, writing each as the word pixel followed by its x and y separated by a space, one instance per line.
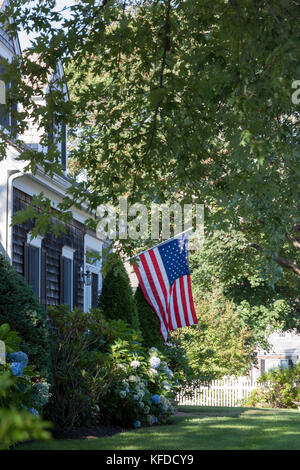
pixel 148 321
pixel 116 299
pixel 278 388
pixel 21 310
pixel 91 358
pixel 143 392
pixel 22 395
pixel 76 342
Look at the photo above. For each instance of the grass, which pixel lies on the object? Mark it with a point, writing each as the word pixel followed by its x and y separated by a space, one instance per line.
pixel 202 429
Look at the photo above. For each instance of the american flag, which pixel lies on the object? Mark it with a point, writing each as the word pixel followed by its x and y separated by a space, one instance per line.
pixel 164 276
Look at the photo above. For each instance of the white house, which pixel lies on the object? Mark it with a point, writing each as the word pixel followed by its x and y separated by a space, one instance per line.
pixel 56 268
pixel 284 351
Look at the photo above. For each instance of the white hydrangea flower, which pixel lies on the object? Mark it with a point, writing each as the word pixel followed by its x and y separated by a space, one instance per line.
pixel 132 378
pixel 146 409
pixel 150 420
pixel 135 364
pixel 135 397
pixel 154 362
pixel 152 371
pixel 169 372
pixel 153 350
pixel 165 407
pixel 141 404
pixel 121 366
pixel 122 393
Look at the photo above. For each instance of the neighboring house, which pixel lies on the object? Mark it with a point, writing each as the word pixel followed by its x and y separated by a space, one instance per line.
pixel 284 351
pixel 56 268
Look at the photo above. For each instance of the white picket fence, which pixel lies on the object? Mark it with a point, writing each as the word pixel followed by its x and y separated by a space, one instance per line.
pixel 225 392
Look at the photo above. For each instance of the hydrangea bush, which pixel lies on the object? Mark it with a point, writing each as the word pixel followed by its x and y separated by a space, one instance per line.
pixel 27 390
pixel 144 390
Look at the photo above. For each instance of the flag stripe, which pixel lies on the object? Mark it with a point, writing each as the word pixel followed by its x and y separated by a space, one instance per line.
pixel 156 272
pixel 183 300
pixel 150 299
pixel 191 300
pixel 163 329
pixel 175 305
pixel 152 284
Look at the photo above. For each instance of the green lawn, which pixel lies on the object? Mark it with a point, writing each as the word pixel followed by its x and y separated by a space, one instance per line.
pixel 214 428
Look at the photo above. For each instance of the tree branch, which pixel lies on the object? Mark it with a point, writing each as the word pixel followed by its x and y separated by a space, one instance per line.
pixel 283 262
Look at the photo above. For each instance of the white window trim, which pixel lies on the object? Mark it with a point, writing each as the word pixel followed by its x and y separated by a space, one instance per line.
pixel 37 243
pixel 92 244
pixel 68 252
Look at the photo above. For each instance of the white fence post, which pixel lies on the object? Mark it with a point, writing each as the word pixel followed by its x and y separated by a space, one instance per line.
pixel 225 392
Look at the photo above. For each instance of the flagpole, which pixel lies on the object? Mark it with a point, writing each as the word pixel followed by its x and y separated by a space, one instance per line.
pixel 159 244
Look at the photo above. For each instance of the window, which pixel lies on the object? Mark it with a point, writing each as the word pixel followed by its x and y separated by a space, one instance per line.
pixel 33 263
pixel 7 116
pixel 67 277
pixel 93 266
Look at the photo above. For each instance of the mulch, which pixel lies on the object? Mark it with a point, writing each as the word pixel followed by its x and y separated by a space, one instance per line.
pixel 89 433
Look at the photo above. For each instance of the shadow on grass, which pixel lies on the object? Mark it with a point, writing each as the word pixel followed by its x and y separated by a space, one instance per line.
pixel 254 429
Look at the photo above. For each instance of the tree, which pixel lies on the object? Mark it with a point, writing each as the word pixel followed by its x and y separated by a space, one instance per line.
pixel 116 299
pixel 200 107
pixel 220 344
pixel 149 322
pixel 228 266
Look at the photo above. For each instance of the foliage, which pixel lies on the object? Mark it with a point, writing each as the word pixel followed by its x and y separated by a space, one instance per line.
pixel 148 321
pixel 79 369
pixel 116 299
pixel 27 389
pixel 22 395
pixel 143 391
pixel 228 266
pixel 201 107
pixel 219 344
pixel 91 360
pixel 278 388
pixel 18 425
pixel 22 311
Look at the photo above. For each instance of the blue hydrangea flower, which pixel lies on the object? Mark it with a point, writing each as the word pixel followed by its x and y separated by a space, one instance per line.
pixel 20 357
pixel 155 420
pixel 137 424
pixel 16 368
pixel 155 399
pixel 34 411
pixel 154 362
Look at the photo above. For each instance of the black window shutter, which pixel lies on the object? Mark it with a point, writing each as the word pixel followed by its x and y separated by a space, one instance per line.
pixel 26 262
pixel 75 283
pixel 95 283
pixel 43 277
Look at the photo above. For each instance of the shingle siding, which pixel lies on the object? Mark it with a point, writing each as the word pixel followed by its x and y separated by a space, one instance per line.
pixel 74 238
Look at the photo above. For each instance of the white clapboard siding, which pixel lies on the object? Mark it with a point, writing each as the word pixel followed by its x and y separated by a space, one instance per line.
pixel 225 392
